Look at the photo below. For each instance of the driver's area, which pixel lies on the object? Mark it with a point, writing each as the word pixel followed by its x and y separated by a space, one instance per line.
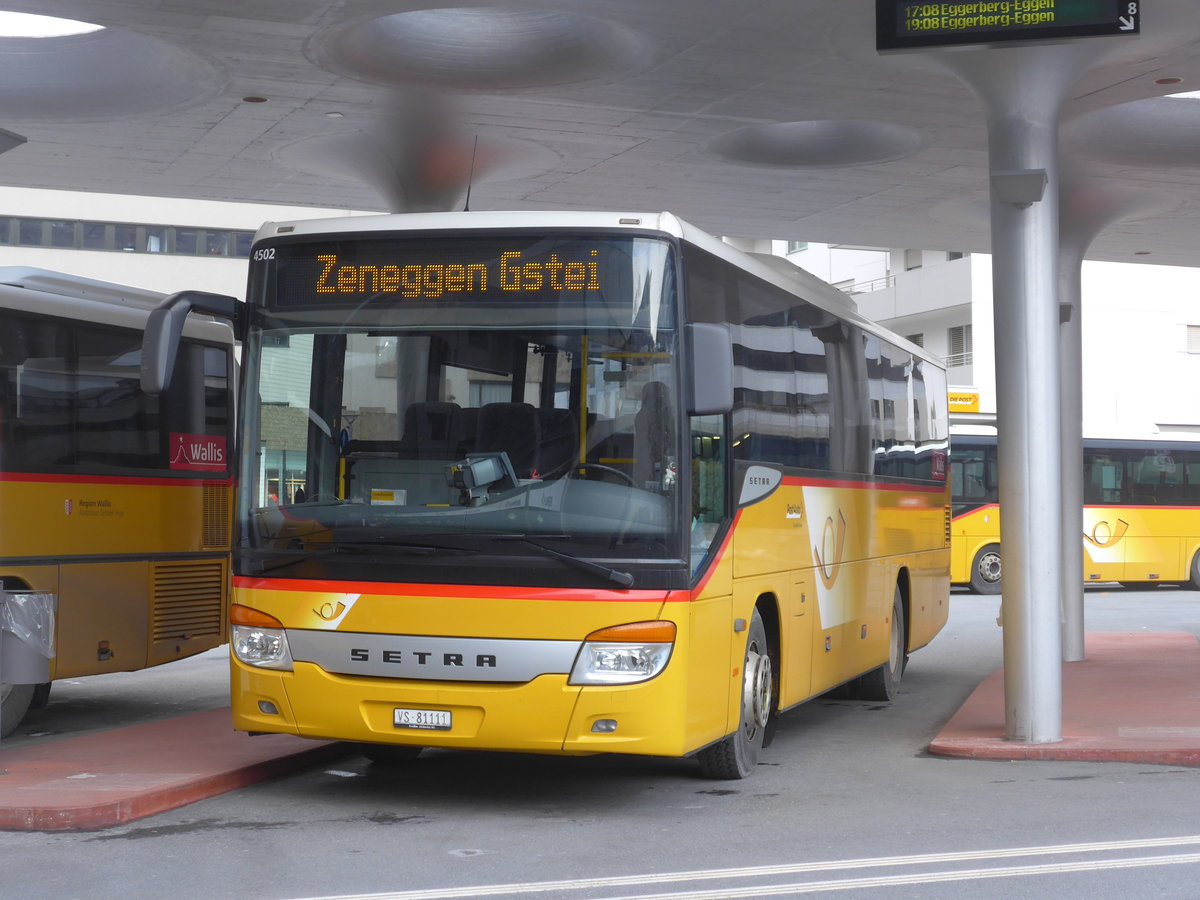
pixel 432 430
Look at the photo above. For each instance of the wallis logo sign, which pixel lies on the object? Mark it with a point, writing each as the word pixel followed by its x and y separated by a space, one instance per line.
pixel 198 452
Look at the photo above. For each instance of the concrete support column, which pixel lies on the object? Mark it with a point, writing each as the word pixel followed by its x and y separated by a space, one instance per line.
pixel 1071 437
pixel 1022 90
pixel 1087 207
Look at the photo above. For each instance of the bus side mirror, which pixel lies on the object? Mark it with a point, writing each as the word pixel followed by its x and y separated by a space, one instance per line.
pixel 164 330
pixel 709 369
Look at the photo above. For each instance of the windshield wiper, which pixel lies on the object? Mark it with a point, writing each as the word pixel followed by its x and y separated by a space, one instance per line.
pixel 367 546
pixel 358 548
pixel 625 579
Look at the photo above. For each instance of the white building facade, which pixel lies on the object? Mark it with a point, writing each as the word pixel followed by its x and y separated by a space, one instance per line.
pixel 1141 329
pixel 157 243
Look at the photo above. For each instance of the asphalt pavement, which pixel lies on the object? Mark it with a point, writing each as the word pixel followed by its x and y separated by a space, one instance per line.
pixel 1133 699
pixel 848 800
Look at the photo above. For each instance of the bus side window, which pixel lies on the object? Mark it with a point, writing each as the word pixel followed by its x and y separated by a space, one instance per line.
pixel 974 479
pixel 1191 484
pixel 1104 482
pixel 709 491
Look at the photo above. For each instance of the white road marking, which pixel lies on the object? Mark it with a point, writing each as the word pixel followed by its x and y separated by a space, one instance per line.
pixel 847 884
pixel 1012 853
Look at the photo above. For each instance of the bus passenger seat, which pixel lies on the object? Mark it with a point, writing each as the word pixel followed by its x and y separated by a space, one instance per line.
pixel 431 430
pixel 468 424
pixel 560 441
pixel 513 428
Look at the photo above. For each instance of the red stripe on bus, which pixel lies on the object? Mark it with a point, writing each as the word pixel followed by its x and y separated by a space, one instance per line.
pixel 801 481
pixel 484 592
pixel 34 477
pixel 1138 507
pixel 978 509
pixel 1115 507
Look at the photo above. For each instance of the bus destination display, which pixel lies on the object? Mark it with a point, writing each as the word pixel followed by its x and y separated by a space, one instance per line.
pixel 546 270
pixel 904 24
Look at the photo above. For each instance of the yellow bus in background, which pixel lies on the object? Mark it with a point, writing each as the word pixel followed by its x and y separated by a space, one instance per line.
pixel 1141 516
pixel 115 506
pixel 571 483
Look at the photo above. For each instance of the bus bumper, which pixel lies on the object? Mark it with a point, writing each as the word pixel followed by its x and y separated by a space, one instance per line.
pixel 545 715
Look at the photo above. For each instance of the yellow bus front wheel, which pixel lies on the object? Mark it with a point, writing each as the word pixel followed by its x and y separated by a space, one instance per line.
pixel 736 755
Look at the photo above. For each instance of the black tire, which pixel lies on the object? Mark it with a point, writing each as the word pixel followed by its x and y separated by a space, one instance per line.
pixel 390 754
pixel 1194 581
pixel 41 695
pixel 736 755
pixel 985 570
pixel 14 703
pixel 883 682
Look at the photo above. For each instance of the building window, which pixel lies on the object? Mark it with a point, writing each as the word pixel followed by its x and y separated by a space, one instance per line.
pixel 31 233
pixel 156 240
pixel 72 234
pixel 796 246
pixel 960 347
pixel 954 254
pixel 1193 339
pixel 62 234
pixel 216 243
pixel 95 236
pixel 187 240
pixel 918 339
pixel 912 260
pixel 126 238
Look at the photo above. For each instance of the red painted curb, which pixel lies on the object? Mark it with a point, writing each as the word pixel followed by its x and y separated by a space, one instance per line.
pixel 109 778
pixel 1134 698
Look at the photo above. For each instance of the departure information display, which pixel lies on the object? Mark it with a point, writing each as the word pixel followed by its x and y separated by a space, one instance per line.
pixel 904 24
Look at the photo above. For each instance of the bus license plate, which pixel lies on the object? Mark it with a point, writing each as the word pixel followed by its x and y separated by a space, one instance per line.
pixel 423 719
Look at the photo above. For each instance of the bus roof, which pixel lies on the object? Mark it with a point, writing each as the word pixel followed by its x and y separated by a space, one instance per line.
pixel 52 293
pixel 76 286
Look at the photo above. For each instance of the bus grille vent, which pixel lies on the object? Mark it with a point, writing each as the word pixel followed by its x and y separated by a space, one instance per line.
pixel 949 522
pixel 188 599
pixel 216 516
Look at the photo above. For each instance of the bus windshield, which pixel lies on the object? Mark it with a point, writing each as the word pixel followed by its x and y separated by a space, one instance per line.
pixel 531 414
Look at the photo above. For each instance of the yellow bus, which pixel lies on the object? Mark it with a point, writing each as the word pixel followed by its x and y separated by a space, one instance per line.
pixel 115 506
pixel 1141 515
pixel 571 483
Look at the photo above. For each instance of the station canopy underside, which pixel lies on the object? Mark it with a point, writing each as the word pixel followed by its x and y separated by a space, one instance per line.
pixel 766 119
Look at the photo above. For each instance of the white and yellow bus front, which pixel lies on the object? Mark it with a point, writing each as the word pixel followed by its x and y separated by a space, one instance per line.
pixel 477 510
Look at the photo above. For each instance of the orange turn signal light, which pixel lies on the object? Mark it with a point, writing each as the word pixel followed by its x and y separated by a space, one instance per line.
pixel 659 632
pixel 244 615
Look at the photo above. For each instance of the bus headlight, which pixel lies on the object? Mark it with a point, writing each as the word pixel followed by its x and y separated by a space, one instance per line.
pixel 624 654
pixel 258 639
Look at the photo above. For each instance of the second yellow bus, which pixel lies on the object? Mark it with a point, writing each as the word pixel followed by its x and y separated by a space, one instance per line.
pixel 1141 515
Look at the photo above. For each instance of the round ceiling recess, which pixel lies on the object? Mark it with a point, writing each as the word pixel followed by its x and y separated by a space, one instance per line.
pixel 1158 133
pixel 100 74
pixel 481 49
pixel 816 144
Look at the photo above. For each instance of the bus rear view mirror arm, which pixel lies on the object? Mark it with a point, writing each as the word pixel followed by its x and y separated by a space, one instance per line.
pixel 164 328
pixel 710 369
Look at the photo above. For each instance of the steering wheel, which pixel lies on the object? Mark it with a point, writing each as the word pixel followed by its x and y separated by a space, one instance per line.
pixel 600 467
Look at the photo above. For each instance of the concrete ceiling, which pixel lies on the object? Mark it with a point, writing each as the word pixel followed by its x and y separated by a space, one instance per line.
pixel 761 118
